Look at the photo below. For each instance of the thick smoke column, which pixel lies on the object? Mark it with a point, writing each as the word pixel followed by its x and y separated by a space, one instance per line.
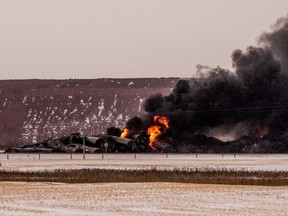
pixel 254 95
pixel 277 42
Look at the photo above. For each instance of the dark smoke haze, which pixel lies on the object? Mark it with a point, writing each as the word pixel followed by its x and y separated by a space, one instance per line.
pixel 250 99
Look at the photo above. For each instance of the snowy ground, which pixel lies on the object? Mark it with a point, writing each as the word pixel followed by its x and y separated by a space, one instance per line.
pixel 109 199
pixel 27 199
pixel 144 161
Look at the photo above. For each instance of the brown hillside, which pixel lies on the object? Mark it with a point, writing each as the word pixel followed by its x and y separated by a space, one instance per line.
pixel 33 110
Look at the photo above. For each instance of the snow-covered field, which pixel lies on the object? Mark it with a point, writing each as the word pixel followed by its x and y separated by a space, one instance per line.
pixel 38 198
pixel 22 198
pixel 144 161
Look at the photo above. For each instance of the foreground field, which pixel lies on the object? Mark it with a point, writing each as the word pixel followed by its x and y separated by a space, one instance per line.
pixel 22 198
pixel 26 162
pixel 18 197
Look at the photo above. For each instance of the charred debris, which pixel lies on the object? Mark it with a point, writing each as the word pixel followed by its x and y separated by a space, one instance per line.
pixel 93 144
pixel 197 143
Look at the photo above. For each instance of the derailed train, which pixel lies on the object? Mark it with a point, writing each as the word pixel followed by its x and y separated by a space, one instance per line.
pixel 108 143
pixel 75 143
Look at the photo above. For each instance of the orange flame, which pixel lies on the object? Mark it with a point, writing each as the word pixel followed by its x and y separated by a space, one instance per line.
pixel 124 133
pixel 161 120
pixel 161 124
pixel 153 131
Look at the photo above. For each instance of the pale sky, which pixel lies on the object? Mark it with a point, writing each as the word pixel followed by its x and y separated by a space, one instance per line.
pixel 59 39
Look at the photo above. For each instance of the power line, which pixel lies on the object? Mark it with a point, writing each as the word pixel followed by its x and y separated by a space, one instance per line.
pixel 240 109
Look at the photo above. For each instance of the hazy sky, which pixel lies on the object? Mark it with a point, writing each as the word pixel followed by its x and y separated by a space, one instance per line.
pixel 126 38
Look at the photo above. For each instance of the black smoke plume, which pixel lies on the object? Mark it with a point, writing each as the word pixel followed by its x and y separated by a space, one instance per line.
pixel 134 126
pixel 113 131
pixel 254 95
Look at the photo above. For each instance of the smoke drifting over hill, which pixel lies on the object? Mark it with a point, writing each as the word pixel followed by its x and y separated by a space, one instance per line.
pixel 251 99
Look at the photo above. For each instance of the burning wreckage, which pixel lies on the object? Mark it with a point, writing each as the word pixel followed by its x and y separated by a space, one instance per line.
pixel 248 106
pixel 157 138
pixel 112 142
pixel 75 143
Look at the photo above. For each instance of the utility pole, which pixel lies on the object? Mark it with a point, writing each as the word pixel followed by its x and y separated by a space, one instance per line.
pixel 84 150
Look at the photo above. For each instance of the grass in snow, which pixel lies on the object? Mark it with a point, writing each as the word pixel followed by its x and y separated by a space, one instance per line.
pixel 201 176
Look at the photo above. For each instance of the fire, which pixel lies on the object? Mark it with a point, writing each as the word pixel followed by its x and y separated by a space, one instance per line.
pixel 161 124
pixel 124 133
pixel 153 131
pixel 161 120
